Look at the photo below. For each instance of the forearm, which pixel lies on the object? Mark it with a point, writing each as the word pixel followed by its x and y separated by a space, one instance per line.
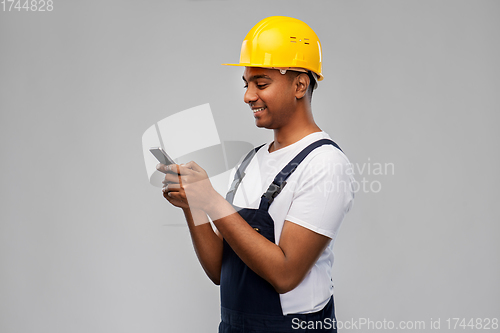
pixel 207 244
pixel 262 256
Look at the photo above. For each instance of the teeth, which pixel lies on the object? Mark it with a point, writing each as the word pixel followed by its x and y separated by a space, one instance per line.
pixel 257 110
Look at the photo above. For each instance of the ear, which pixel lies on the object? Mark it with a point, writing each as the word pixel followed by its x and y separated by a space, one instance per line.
pixel 301 83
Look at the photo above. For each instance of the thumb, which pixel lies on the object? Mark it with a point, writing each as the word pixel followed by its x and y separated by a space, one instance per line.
pixel 193 166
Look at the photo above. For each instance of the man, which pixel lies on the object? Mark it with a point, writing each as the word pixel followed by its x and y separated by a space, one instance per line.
pixel 271 251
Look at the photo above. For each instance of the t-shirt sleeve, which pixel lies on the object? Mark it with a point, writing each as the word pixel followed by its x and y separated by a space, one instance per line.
pixel 323 193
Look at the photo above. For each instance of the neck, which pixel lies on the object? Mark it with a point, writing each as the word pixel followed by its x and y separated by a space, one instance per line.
pixel 301 125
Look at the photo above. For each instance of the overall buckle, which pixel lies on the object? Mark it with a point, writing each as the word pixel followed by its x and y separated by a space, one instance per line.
pixel 272 191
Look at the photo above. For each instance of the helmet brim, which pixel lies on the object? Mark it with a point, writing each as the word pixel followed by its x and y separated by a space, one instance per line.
pixel 320 76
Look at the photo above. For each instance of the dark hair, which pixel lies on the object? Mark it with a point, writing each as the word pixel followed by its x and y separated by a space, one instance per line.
pixel 312 83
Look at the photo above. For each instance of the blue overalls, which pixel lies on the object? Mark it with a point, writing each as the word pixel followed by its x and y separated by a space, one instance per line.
pixel 248 302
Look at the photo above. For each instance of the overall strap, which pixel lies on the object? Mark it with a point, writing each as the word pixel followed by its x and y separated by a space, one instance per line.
pixel 279 181
pixel 240 173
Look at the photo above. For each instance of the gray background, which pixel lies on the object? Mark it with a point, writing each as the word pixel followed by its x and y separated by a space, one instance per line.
pixel 87 244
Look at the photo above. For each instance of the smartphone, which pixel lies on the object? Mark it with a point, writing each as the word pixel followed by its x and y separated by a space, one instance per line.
pixel 161 155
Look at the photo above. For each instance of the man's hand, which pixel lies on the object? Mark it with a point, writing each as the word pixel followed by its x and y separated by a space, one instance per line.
pixel 187 186
pixel 173 179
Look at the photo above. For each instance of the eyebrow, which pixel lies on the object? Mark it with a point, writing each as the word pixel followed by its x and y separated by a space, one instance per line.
pixel 255 77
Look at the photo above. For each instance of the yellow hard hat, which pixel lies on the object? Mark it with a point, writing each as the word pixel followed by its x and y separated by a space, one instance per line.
pixel 283 43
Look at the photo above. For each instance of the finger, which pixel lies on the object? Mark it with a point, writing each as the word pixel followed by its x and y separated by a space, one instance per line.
pixel 171 188
pixel 194 166
pixel 163 168
pixel 171 178
pixel 179 174
pixel 171 168
pixel 182 169
pixel 170 197
pixel 174 198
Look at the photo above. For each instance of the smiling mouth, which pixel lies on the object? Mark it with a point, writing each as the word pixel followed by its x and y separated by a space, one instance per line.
pixel 258 109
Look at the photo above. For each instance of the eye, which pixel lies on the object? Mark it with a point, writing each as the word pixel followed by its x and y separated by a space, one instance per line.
pixel 261 86
pixel 245 86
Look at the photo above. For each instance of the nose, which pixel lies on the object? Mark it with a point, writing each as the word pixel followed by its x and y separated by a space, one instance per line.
pixel 250 95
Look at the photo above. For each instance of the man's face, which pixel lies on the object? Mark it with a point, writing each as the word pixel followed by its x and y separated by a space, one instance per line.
pixel 270 95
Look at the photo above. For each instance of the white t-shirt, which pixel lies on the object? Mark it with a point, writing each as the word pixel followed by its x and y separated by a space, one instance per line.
pixel 317 196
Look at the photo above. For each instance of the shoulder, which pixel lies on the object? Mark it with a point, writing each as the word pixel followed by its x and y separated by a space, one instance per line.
pixel 327 159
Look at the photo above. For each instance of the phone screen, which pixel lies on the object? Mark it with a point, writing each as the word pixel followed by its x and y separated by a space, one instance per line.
pixel 161 155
